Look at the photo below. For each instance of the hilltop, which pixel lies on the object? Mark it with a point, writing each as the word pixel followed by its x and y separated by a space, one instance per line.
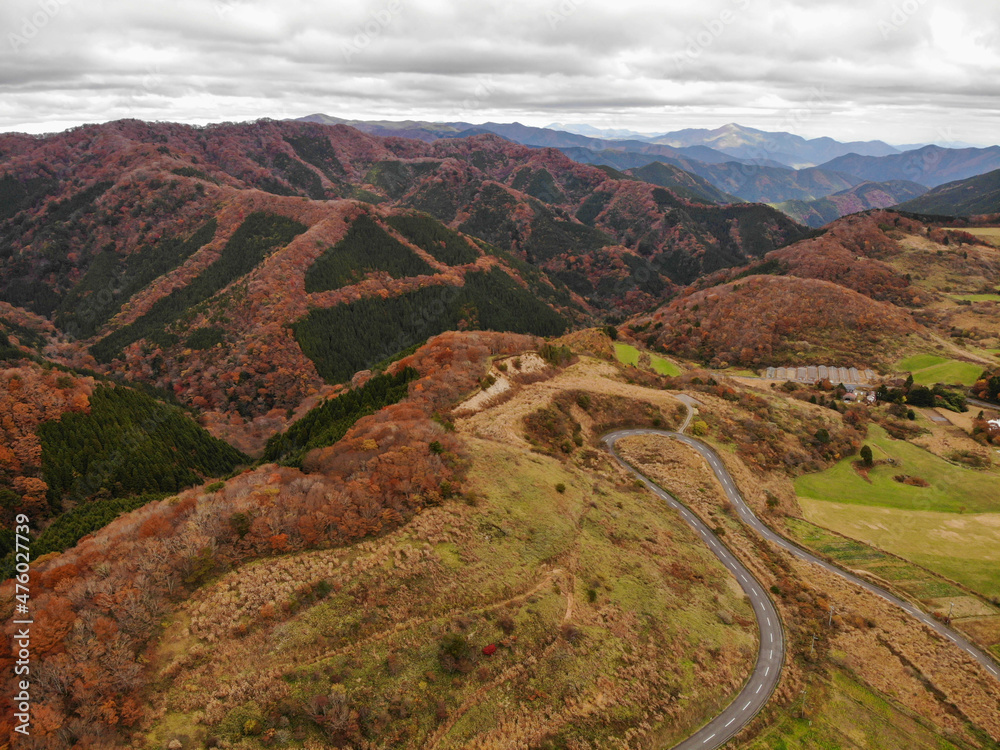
pixel 969 197
pixel 867 195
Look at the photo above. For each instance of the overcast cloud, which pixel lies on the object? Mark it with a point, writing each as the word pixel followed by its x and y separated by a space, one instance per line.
pixel 900 70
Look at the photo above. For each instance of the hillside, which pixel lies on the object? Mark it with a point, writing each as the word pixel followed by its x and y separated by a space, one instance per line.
pixel 794 320
pixel 76 450
pixel 867 195
pixel 427 575
pixel 546 594
pixel 930 166
pixel 188 252
pixel 970 197
pixel 880 284
pixel 683 183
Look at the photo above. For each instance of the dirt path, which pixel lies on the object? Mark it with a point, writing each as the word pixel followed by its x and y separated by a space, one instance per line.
pixel 503 422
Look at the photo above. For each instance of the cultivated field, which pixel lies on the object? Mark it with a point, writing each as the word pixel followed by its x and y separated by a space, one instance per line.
pixel 990 234
pixel 929 369
pixel 964 548
pixel 975 615
pixel 838 712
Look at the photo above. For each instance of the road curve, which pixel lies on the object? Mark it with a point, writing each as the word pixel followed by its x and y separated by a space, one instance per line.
pixel 712 735
pixel 981 404
pixel 771 651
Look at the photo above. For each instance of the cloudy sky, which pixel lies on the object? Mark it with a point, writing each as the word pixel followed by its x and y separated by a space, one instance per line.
pixel 904 71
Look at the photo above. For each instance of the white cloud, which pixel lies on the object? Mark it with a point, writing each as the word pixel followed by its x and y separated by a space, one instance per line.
pixel 900 70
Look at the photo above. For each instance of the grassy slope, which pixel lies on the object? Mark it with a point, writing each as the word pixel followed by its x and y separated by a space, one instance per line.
pixel 844 714
pixel 929 369
pixel 952 489
pixel 978 618
pixel 964 548
pixel 581 557
pixel 629 355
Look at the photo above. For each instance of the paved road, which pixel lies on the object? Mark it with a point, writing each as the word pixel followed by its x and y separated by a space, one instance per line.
pixel 772 643
pixel 982 404
pixel 771 652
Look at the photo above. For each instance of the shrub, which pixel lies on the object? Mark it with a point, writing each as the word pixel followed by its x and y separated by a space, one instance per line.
pixel 560 488
pixel 866 456
pixel 240 524
pixel 699 428
pixel 455 654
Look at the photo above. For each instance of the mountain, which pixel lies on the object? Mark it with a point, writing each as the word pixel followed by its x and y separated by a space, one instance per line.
pixel 526 135
pixel 683 183
pixel 605 133
pixel 752 165
pixel 246 267
pixel 759 183
pixel 845 296
pixel 969 197
pixel 785 148
pixel 930 166
pixel 821 211
pixel 788 314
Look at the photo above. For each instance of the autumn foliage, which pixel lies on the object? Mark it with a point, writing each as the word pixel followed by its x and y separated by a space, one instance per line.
pixel 97 604
pixel 787 314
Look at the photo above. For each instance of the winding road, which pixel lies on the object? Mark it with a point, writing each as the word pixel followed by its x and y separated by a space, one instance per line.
pixel 771 652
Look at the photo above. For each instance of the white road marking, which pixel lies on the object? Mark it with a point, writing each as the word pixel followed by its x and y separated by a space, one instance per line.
pixel 746 706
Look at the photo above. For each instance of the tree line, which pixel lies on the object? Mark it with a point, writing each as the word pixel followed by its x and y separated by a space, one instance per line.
pixel 112 280
pixel 366 247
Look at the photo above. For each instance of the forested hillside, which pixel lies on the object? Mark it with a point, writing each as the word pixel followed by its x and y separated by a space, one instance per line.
pixel 212 262
pixel 98 605
pixel 849 295
pixel 126 444
pixel 969 197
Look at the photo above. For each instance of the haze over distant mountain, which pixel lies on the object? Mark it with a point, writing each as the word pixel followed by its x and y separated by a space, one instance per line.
pixel 971 197
pixel 930 166
pixel 736 161
pixel 786 148
pixel 867 195
pixel 608 133
pixel 526 135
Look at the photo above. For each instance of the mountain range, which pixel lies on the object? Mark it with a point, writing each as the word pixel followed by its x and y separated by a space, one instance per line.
pixel 228 248
pixel 337 399
pixel 861 197
pixel 751 165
